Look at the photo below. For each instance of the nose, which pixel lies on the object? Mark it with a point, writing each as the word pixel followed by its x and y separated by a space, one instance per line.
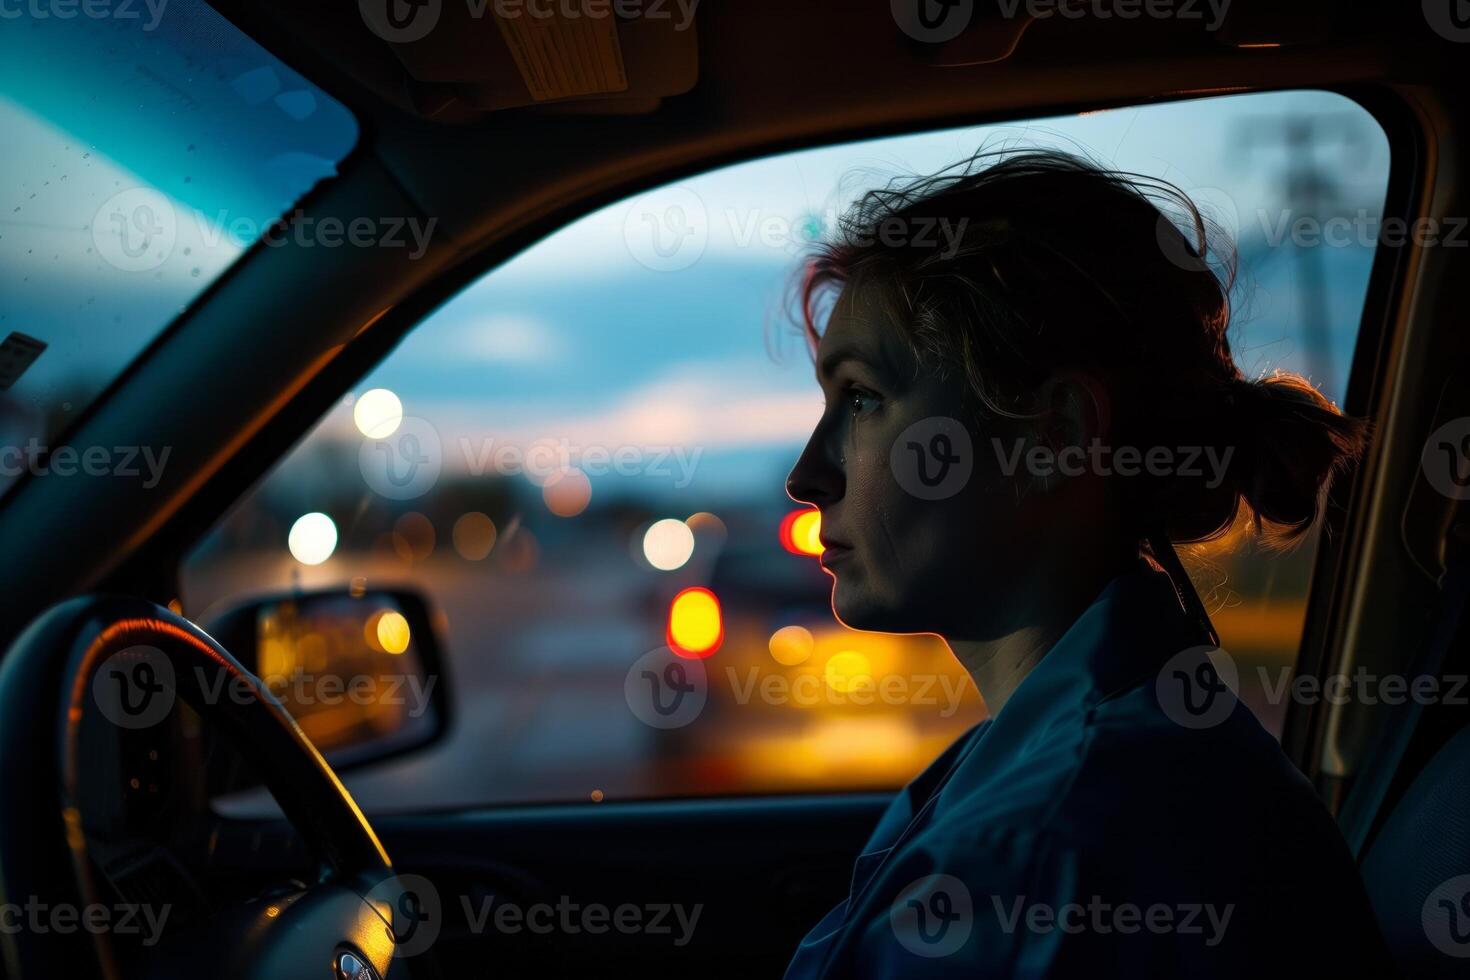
pixel 817 478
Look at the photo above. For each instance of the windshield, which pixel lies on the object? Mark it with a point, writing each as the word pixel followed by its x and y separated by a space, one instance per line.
pixel 143 149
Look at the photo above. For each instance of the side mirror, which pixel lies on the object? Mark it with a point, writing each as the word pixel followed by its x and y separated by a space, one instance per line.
pixel 358 670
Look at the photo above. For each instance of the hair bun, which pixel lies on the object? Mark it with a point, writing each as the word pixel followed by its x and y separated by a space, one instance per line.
pixel 1290 442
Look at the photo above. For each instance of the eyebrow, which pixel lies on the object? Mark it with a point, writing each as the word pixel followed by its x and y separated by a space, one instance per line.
pixel 834 358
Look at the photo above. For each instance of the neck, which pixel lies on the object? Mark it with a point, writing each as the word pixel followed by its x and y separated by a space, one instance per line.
pixel 1000 663
pixel 999 666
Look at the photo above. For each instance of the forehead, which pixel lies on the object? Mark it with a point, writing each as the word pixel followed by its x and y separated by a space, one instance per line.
pixel 866 323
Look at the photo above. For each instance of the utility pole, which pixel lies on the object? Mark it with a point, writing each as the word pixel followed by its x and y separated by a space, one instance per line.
pixel 1309 191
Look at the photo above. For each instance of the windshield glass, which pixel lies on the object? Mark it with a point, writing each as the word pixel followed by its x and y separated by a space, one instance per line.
pixel 143 148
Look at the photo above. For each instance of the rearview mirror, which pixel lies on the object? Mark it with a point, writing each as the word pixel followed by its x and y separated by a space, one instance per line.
pixel 358 670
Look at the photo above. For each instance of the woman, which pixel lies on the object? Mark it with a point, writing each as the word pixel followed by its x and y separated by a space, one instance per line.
pixel 1029 396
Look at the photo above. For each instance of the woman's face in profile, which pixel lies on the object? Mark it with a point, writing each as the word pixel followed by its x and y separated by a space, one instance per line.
pixel 919 522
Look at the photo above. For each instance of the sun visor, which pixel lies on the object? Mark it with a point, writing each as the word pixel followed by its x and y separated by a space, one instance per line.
pixel 502 54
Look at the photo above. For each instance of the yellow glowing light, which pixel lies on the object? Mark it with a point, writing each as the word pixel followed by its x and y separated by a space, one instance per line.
pixel 370 632
pixel 792 645
pixel 313 538
pixel 377 413
pixel 872 742
pixel 848 671
pixel 474 536
pixel 668 544
pixel 801 532
pixel 567 492
pixel 696 628
pixel 870 751
pixel 393 631
pixel 806 531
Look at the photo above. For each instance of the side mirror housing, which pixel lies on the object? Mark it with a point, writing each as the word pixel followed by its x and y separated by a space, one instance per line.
pixel 359 670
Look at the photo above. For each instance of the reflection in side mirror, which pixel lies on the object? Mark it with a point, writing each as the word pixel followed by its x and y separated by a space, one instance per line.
pixel 359 671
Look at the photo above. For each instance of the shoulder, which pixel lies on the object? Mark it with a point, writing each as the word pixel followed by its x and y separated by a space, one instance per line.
pixel 1208 836
pixel 1133 774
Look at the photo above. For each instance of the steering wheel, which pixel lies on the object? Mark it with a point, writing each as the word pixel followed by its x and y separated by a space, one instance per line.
pixel 53 681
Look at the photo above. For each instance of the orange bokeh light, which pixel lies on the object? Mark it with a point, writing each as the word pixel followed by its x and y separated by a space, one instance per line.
pixel 801 532
pixel 567 492
pixel 696 625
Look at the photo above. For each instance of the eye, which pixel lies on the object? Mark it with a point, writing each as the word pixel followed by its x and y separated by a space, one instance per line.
pixel 860 400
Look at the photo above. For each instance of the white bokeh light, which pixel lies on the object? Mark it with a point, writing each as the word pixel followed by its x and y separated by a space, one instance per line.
pixel 378 413
pixel 313 538
pixel 668 544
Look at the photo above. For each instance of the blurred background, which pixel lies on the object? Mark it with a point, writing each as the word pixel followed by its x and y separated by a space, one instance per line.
pixel 580 459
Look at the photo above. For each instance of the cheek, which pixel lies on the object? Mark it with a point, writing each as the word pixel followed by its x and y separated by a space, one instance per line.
pixel 868 494
pixel 906 539
pixel 907 536
pixel 974 536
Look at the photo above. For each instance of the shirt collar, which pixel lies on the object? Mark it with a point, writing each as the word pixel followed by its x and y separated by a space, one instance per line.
pixel 1131 629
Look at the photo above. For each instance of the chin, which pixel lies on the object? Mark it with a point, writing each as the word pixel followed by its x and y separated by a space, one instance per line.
pixel 858 609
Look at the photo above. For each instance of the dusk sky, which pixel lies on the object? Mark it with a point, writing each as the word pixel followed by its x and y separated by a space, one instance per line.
pixel 578 338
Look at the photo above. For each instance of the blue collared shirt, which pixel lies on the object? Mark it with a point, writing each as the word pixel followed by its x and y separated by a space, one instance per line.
pixel 1113 820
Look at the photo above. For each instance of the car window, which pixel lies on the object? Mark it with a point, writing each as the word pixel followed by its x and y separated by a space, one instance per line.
pixel 580 461
pixel 145 148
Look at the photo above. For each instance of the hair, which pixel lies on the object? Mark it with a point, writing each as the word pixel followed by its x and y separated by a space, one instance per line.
pixel 1052 263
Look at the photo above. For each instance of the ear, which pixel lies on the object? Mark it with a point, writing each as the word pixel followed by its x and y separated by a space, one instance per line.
pixel 1074 411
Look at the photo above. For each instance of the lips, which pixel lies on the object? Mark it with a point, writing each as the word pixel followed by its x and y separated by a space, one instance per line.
pixel 833 551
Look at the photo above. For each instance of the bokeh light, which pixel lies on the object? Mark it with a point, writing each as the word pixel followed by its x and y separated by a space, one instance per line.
pixel 848 671
pixel 474 536
pixel 709 531
pixel 792 645
pixel 312 539
pixel 668 544
pixel 413 537
pixel 801 532
pixel 696 628
pixel 393 631
pixel 377 413
pixel 567 492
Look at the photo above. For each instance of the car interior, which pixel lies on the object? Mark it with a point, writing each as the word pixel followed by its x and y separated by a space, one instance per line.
pixel 497 145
